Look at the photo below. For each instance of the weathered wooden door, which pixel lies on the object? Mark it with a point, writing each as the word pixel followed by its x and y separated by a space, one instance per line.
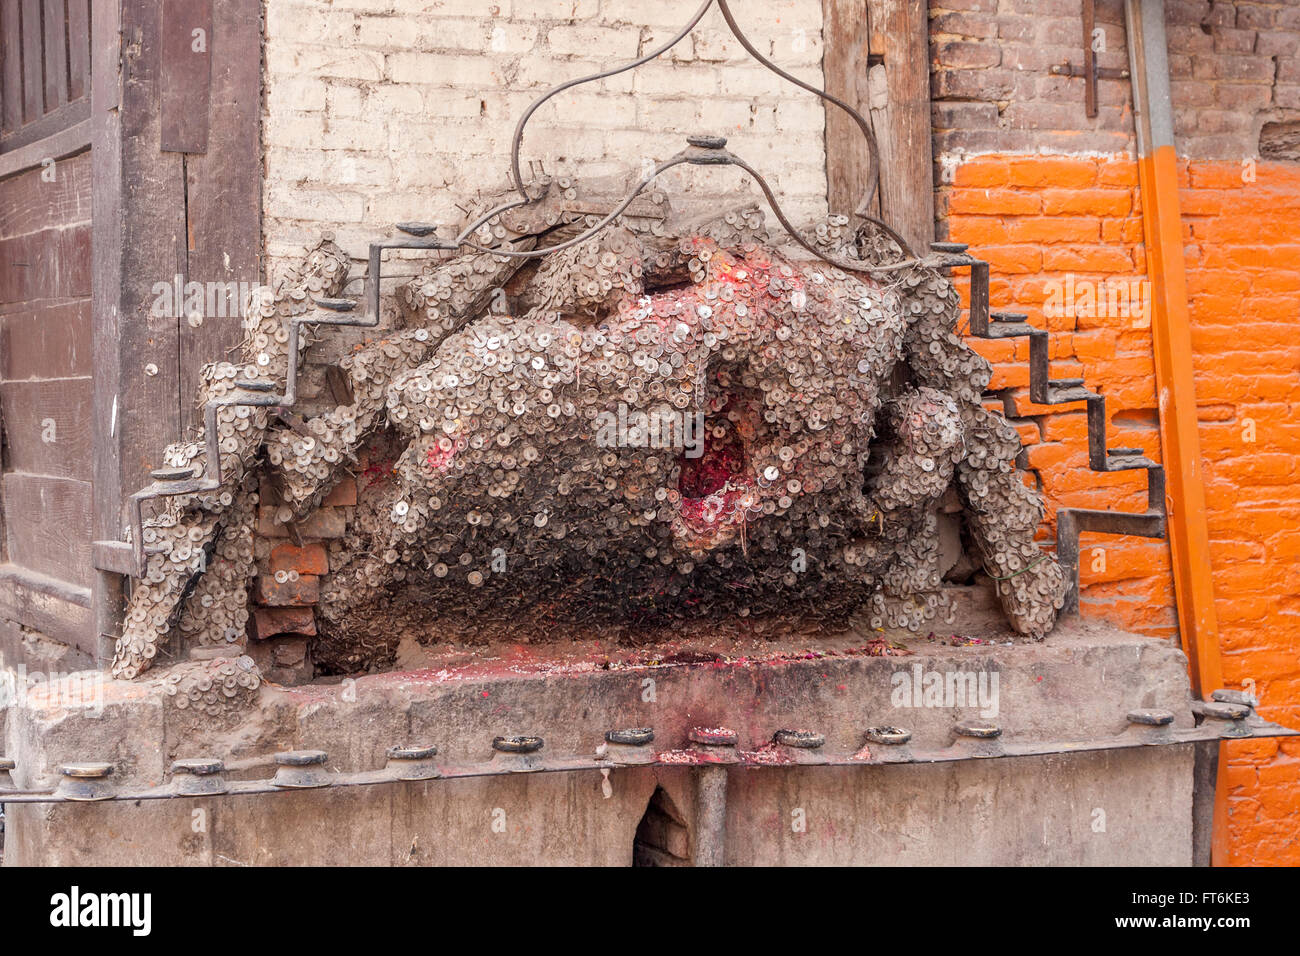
pixel 46 380
pixel 129 161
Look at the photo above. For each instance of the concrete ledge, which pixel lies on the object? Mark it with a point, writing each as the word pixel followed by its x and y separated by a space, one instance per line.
pixel 1079 685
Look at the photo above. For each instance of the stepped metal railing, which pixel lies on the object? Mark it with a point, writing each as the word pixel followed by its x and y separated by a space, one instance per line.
pixel 1045 390
pixel 130 558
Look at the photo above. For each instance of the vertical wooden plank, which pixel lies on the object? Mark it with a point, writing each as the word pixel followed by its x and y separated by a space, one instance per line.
pixel 154 250
pixel 107 239
pixel 185 78
pixel 13 66
pixel 224 190
pixel 4 444
pixel 845 34
pixel 55 35
pixel 33 82
pixel 906 174
pixel 139 240
pixel 78 48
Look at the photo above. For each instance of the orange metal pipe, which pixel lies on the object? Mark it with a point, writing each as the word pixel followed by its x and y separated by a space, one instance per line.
pixel 1198 625
pixel 1189 542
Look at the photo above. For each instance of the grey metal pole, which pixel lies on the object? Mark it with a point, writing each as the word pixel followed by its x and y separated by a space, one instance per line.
pixel 710 816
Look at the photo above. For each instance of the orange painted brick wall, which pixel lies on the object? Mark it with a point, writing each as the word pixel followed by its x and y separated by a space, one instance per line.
pixel 1048 224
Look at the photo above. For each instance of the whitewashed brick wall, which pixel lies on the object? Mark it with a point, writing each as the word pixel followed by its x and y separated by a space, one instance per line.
pixel 379 111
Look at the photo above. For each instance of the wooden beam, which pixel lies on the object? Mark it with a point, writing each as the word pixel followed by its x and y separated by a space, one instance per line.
pixel 67 142
pixel 56 54
pixel 224 189
pixel 185 75
pixel 33 81
pixel 845 31
pixel 107 234
pixel 877 59
pixel 902 32
pixel 53 607
pixel 159 214
pixel 11 110
pixel 1189 537
pixel 78 48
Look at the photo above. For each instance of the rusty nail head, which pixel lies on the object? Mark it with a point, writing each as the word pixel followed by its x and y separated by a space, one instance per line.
pixel 517 745
pixel 412 753
pixel 713 736
pixel 804 739
pixel 632 736
pixel 707 141
pixel 300 758
pixel 86 771
pixel 198 766
pixel 980 730
pixel 418 228
pixel 1151 718
pixel 1219 710
pixel 1225 695
pixel 888 735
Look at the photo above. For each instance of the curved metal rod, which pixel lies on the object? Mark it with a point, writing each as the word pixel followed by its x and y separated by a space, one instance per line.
pixel 852 265
pixel 873 167
pixel 677 160
pixel 517 141
pixel 873 150
pixel 721 157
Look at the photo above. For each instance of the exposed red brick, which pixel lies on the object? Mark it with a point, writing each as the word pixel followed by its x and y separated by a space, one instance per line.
pixel 344 493
pixel 309 559
pixel 287 593
pixel 270 621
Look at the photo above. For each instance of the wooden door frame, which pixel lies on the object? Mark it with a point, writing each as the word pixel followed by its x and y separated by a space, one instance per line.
pixel 877 59
pixel 156 213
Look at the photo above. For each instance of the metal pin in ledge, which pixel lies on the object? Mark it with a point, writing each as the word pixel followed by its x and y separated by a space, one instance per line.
pixel 516 752
pixel 714 744
pixel 802 747
pixel 301 770
pixel 1224 711
pixel 893 743
pixel 628 746
pixel 1154 725
pixel 199 777
pixel 411 763
pixel 85 782
pixel 978 737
